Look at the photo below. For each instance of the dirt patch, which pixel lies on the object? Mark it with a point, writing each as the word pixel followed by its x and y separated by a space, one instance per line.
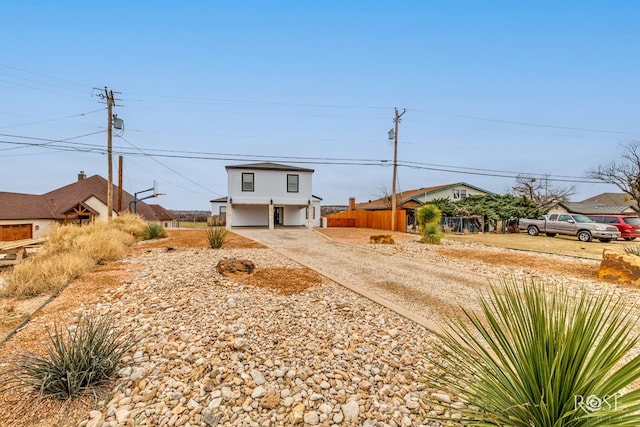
pixel 283 281
pixel 530 262
pixel 194 239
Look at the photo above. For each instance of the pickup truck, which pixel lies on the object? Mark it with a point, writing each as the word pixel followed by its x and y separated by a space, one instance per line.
pixel 570 224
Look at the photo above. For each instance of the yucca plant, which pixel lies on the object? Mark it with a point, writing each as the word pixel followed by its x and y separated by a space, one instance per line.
pixel 75 360
pixel 538 357
pixel 217 236
pixel 632 249
pixel 154 230
pixel 428 218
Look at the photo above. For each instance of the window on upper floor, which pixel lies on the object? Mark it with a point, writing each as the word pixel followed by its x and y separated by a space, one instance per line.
pixel 293 182
pixel 459 194
pixel 247 181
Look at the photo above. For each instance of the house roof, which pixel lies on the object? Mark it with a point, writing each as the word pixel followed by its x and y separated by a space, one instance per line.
pixel 161 214
pixel 586 208
pixel 55 203
pixel 611 199
pixel 269 166
pixel 409 196
pixel 16 205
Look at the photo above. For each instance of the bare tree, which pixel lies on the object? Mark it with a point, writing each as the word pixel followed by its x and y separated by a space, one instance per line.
pixel 625 173
pixel 385 196
pixel 541 191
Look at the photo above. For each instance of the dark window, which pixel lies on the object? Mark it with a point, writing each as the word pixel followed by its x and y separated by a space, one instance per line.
pixel 223 210
pixel 247 181
pixel 292 183
pixel 306 212
pixel 632 220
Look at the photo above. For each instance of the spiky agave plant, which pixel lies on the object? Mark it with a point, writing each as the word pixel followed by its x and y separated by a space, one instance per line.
pixel 538 357
pixel 76 360
pixel 154 231
pixel 217 236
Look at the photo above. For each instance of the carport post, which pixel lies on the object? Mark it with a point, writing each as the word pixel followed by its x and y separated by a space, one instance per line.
pixel 271 226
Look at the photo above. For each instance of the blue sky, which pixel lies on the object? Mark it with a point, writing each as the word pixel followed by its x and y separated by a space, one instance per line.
pixel 492 89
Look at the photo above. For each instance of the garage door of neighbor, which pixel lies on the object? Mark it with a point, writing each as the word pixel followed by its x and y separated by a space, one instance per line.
pixel 13 232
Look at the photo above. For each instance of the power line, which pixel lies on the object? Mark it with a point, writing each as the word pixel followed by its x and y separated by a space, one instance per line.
pixel 166 166
pixel 53 120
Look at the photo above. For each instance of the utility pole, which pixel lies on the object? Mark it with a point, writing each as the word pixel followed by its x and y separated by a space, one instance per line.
pixel 108 94
pixel 396 120
pixel 120 161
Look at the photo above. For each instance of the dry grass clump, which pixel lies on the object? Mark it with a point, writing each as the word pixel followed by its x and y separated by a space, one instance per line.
pixel 130 223
pixel 70 251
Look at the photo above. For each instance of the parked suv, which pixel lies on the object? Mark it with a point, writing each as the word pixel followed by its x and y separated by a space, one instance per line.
pixel 628 225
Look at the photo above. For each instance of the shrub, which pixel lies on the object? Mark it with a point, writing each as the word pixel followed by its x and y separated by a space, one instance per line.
pixel 130 223
pixel 154 231
pixel 428 218
pixel 632 249
pixel 217 237
pixel 541 359
pixel 76 360
pixel 69 251
pixel 432 233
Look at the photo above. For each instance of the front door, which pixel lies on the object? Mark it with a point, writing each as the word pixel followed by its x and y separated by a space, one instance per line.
pixel 278 215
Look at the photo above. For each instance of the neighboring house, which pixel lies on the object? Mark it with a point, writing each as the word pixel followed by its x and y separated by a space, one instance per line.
pixel 412 198
pixel 586 208
pixel 602 204
pixel 268 195
pixel 25 216
pixel 613 199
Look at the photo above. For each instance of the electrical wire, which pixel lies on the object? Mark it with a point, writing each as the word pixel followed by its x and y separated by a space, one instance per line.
pixel 53 120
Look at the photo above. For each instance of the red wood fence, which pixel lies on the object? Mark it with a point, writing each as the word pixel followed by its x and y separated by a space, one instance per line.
pixel 379 220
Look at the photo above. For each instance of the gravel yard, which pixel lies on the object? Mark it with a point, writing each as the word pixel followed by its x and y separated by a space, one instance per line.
pixel 286 347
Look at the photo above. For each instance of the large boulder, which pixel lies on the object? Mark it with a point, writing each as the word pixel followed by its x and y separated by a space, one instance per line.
pixel 235 267
pixel 620 267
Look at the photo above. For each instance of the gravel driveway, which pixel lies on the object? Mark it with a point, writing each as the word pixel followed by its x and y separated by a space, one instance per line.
pixel 419 289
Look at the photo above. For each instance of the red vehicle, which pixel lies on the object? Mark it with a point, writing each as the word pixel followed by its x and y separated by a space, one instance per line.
pixel 628 225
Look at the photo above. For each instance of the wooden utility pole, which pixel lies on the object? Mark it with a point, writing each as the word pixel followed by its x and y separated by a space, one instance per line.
pixel 110 103
pixel 119 185
pixel 396 120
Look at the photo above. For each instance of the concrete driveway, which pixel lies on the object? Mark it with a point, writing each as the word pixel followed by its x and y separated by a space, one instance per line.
pixel 424 291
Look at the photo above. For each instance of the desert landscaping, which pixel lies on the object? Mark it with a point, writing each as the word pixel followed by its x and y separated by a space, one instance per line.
pixel 284 346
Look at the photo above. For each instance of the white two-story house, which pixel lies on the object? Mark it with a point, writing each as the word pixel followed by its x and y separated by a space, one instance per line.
pixel 268 195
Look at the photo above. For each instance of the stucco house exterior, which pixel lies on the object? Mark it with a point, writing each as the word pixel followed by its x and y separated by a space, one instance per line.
pixel 268 195
pixel 26 216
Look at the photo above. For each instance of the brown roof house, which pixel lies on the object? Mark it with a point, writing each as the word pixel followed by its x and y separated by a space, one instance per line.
pixel 411 198
pixel 26 216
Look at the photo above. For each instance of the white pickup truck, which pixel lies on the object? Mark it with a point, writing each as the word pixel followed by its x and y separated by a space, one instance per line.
pixel 570 224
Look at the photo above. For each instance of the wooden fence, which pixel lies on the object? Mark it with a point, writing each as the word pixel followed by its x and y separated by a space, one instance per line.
pixel 379 220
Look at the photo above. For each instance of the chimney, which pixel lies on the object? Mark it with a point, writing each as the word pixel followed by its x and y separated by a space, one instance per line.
pixel 352 203
pixel 81 176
